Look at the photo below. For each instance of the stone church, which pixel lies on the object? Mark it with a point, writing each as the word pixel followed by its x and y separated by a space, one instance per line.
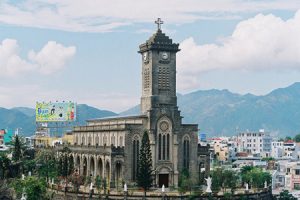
pixel 109 147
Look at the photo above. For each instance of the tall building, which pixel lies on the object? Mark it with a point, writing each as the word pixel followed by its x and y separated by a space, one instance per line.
pixel 255 143
pixel 109 147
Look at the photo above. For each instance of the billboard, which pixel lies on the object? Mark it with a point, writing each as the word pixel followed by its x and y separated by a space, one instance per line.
pixel 55 112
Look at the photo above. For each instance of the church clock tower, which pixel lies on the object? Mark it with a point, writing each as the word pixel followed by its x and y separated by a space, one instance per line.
pixel 159 104
pixel 158 71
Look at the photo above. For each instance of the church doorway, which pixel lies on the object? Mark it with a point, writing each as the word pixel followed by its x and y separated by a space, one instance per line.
pixel 163 180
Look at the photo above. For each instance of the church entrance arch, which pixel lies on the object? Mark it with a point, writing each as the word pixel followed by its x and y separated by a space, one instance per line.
pixel 164 177
pixel 107 172
pixel 118 172
pixel 84 166
pixel 163 180
pixel 100 167
pixel 92 166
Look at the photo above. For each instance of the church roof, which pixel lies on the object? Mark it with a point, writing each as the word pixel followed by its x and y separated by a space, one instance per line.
pixel 159 41
pixel 117 118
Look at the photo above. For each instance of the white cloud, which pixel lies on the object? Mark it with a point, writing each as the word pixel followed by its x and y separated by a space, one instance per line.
pixel 50 59
pixel 10 61
pixel 107 15
pixel 264 42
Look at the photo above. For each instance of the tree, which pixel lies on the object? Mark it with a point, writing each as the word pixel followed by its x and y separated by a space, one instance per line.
pixel 66 163
pixel 5 190
pixel 4 165
pixel 297 138
pixel 287 138
pixel 17 151
pixel 184 183
pixel 144 177
pixel 230 178
pixel 47 164
pixel 285 195
pixel 98 185
pixel 256 177
pixel 217 179
pixel 34 188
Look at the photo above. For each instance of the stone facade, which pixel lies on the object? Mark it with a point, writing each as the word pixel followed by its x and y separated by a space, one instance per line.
pixel 109 147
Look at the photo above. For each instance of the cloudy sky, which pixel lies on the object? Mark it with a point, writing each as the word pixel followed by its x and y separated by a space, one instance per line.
pixel 86 51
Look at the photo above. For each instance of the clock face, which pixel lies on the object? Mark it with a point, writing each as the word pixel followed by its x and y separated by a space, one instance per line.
pixel 164 126
pixel 164 55
pixel 145 56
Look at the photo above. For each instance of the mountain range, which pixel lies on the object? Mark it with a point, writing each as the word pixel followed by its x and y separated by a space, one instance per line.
pixel 218 112
pixel 221 112
pixel 23 118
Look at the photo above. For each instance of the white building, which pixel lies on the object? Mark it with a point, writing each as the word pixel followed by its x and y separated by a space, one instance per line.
pixel 255 143
pixel 289 148
pixel 277 149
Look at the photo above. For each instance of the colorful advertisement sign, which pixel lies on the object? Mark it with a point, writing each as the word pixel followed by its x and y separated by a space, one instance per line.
pixel 55 112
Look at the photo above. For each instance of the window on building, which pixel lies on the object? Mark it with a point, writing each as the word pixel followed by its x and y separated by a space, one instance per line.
pixel 135 157
pixel 105 140
pixel 121 141
pixel 90 140
pixel 97 140
pixel 163 146
pixel 83 140
pixel 297 186
pixel 76 139
pixel 297 171
pixel 186 153
pixel 113 140
pixel 288 170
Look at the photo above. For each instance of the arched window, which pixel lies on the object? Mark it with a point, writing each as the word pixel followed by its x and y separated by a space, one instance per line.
pixel 113 140
pixel 186 153
pixel 168 146
pixel 83 140
pixel 159 147
pixel 121 141
pixel 90 140
pixel 135 157
pixel 164 147
pixel 164 130
pixel 105 140
pixel 97 140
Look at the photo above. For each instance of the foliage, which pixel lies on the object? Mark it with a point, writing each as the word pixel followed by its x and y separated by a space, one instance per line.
pixel 98 184
pixel 17 150
pixel 297 138
pixel 47 164
pixel 217 180
pixel 76 180
pixel 285 195
pixel 144 178
pixel 4 165
pixel 256 177
pixel 34 188
pixel 5 191
pixel 184 183
pixel 230 179
pixel 287 138
pixel 66 163
pixel 268 159
pixel 225 179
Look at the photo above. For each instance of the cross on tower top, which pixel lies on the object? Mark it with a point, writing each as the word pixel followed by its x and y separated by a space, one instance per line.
pixel 159 22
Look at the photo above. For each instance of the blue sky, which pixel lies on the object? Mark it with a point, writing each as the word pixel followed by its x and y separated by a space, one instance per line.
pixel 87 52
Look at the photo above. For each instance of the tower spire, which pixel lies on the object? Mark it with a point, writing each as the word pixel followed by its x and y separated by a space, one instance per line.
pixel 159 22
